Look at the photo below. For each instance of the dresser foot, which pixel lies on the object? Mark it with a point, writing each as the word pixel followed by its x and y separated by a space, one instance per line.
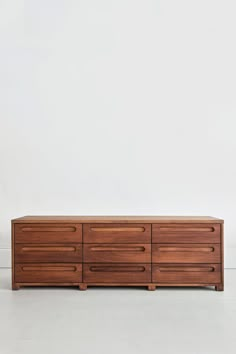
pixel 15 286
pixel 83 287
pixel 219 287
pixel 151 287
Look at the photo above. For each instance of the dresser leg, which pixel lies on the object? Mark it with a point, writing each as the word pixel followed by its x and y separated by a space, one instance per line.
pixel 219 287
pixel 83 287
pixel 151 287
pixel 15 286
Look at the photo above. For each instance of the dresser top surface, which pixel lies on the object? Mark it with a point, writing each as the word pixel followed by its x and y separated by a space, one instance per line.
pixel 117 219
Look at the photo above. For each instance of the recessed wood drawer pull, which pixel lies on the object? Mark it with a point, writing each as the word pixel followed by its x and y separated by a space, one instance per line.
pixel 119 249
pixel 48 269
pixel 117 269
pixel 187 229
pixel 49 249
pixel 186 269
pixel 119 229
pixel 48 229
pixel 186 249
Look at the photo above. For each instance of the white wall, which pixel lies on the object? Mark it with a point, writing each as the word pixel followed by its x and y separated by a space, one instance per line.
pixel 117 107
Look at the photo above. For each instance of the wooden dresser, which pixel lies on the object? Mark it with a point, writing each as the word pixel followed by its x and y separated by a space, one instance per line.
pixel 147 251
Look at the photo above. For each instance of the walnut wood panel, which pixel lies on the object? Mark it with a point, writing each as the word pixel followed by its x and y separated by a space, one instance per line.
pixel 186 273
pixel 48 272
pixel 17 286
pixel 185 233
pixel 116 273
pixel 221 286
pixel 117 253
pixel 117 250
pixel 117 219
pixel 186 253
pixel 48 233
pixel 13 285
pixel 48 253
pixel 116 233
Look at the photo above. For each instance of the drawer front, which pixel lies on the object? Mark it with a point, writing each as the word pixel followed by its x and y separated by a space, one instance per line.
pixel 48 253
pixel 117 233
pixel 48 233
pixel 116 273
pixel 186 253
pixel 117 253
pixel 48 273
pixel 186 273
pixel 186 233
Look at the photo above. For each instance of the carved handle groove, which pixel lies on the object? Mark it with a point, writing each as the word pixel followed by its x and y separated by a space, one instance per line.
pixel 48 229
pixel 186 269
pixel 186 249
pixel 186 229
pixel 49 268
pixel 117 229
pixel 49 249
pixel 117 249
pixel 119 269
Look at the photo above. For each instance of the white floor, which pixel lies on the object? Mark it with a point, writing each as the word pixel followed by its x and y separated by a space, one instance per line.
pixel 117 320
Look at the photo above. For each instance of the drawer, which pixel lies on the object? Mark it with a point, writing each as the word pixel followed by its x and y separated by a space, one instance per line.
pixel 117 233
pixel 186 233
pixel 48 233
pixel 117 253
pixel 116 273
pixel 186 273
pixel 48 273
pixel 186 253
pixel 48 253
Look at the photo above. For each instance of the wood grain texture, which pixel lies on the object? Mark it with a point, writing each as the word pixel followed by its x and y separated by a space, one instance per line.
pixel 84 286
pixel 47 253
pixel 186 273
pixel 55 284
pixel 13 284
pixel 48 233
pixel 117 219
pixel 144 285
pixel 186 253
pixel 221 287
pixel 117 253
pixel 48 273
pixel 116 273
pixel 185 233
pixel 116 233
